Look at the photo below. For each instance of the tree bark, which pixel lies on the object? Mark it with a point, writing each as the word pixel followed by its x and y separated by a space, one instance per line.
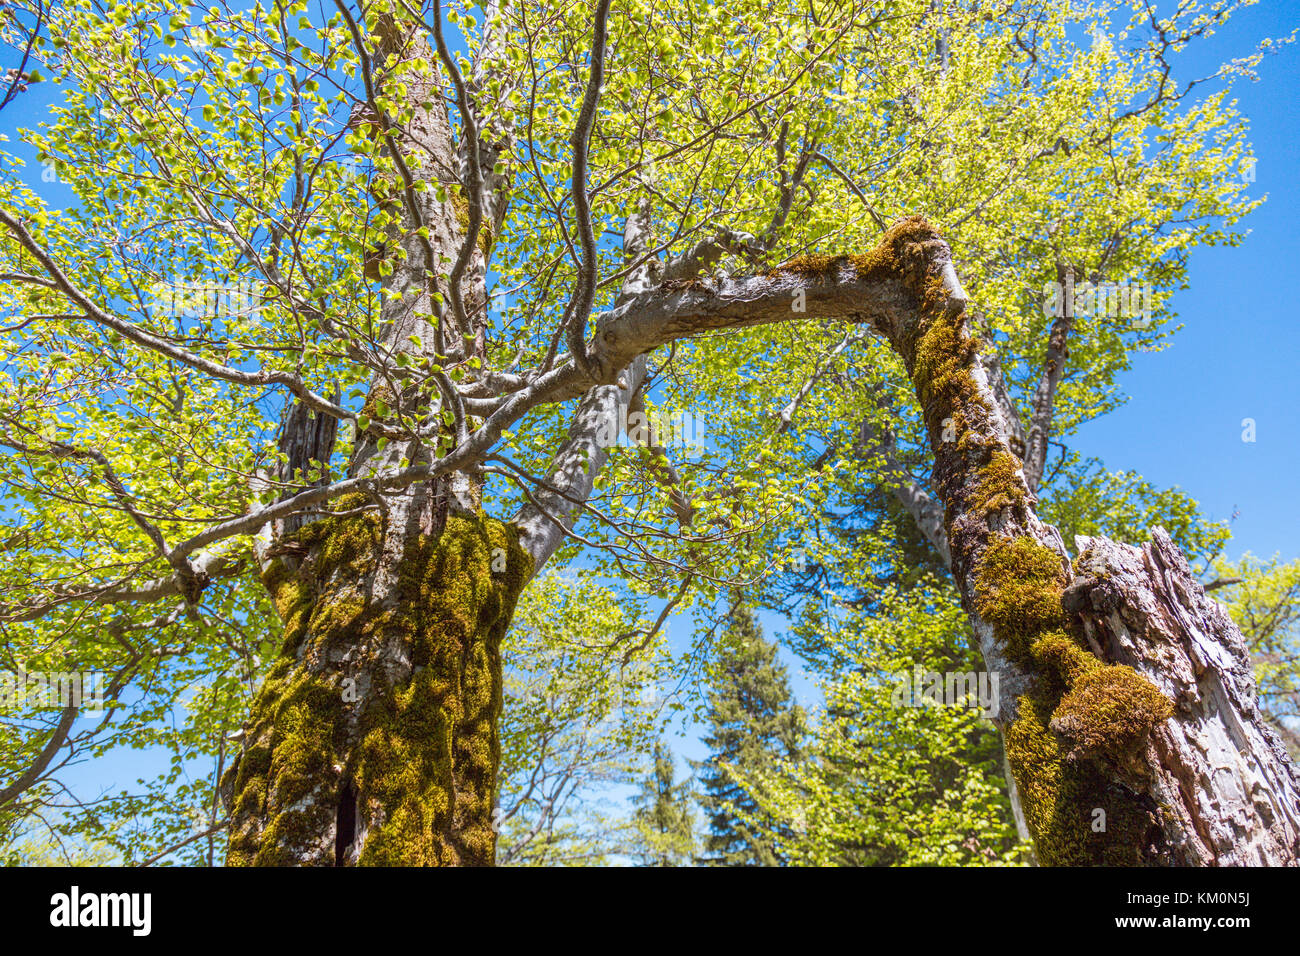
pixel 1044 400
pixel 1220 768
pixel 374 738
pixel 1127 698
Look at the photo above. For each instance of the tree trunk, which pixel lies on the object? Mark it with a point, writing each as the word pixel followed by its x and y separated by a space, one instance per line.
pixel 1127 698
pixel 374 738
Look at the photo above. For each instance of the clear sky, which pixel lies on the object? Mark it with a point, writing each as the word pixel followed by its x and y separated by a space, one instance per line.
pixel 1238 356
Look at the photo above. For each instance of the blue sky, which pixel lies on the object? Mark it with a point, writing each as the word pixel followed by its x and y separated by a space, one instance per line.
pixel 1239 353
pixel 1236 358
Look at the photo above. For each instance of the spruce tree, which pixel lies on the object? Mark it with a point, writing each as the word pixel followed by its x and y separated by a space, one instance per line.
pixel 754 723
pixel 663 824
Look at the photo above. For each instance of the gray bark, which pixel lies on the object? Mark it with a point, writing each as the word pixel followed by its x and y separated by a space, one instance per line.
pixel 1044 401
pixel 1219 767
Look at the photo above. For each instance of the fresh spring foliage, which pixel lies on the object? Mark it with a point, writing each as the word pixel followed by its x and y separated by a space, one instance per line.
pixel 232 200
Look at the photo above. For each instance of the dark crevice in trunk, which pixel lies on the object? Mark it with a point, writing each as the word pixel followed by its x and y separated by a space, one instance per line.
pixel 346 824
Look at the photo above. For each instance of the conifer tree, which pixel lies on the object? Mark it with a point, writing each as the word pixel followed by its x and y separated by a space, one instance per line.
pixel 663 824
pixel 754 723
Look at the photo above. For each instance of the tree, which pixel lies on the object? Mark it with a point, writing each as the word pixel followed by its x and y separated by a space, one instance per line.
pixel 577 717
pixel 663 824
pixel 335 327
pixel 1263 599
pixel 889 777
pixel 893 776
pixel 753 723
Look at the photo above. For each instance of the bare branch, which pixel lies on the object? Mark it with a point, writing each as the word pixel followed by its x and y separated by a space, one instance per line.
pixel 1040 419
pixel 585 292
pixel 32 775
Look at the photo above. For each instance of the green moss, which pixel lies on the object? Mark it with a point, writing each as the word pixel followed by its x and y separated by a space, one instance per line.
pixel 1062 660
pixel 456 609
pixel 246 780
pixel 1074 734
pixel 939 356
pixel 1109 712
pixel 332 621
pixel 405 775
pixel 1000 485
pixel 1061 796
pixel 283 586
pixel 900 253
pixel 810 267
pixel 1018 587
pixel 1069 747
pixel 421 757
pixel 341 547
pixel 349 546
pixel 894 257
pixel 379 394
pixel 461 206
pixel 292 597
pixel 294 746
pixel 941 365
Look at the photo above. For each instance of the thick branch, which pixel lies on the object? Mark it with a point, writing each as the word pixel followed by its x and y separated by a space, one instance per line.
pixel 552 511
pixel 704 254
pixel 869 288
pixel 32 775
pixel 206 567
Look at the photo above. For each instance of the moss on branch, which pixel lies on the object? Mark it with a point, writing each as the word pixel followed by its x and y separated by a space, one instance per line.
pixel 1076 736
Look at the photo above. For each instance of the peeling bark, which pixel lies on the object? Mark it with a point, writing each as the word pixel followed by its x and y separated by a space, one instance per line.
pixel 1219 769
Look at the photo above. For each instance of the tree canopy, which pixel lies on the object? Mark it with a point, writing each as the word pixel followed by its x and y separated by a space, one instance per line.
pixel 565 261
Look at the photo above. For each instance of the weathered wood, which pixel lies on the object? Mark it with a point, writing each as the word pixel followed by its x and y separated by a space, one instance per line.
pixel 1223 774
pixel 1128 700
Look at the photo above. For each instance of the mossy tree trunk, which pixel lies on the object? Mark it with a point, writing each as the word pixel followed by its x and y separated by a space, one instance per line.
pixel 374 738
pixel 1127 696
